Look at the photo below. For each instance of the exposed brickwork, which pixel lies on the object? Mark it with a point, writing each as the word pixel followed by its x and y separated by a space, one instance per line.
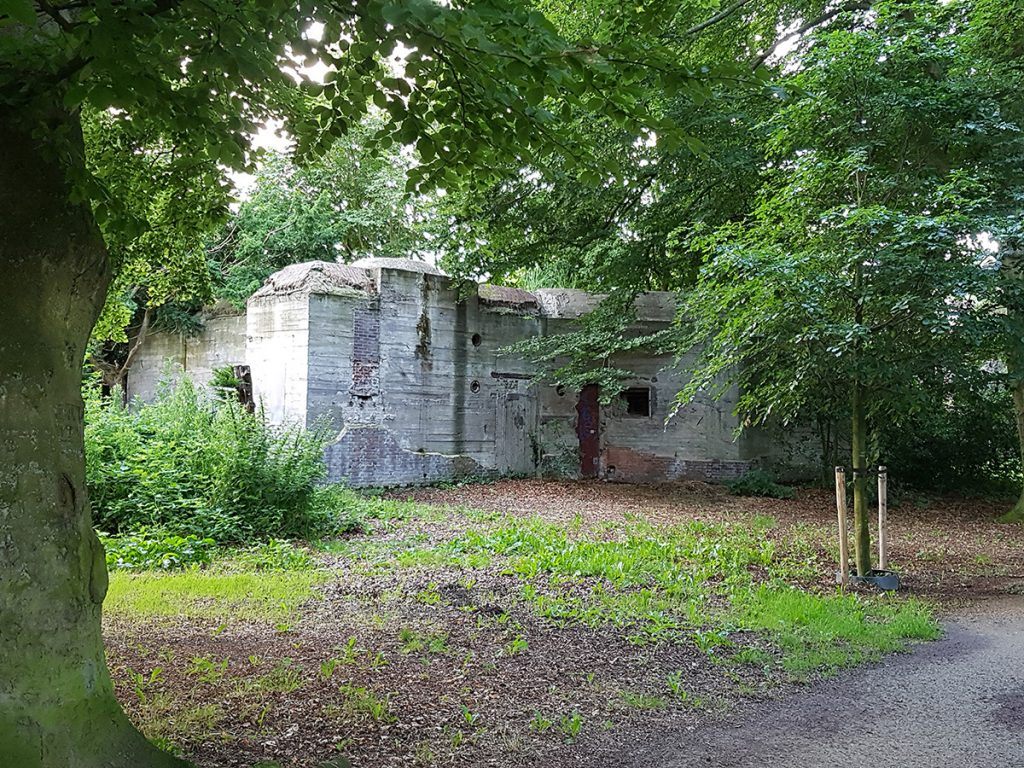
pixel 366 351
pixel 371 456
pixel 630 466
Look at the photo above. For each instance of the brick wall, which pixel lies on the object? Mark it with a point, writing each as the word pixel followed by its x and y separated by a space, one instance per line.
pixel 372 456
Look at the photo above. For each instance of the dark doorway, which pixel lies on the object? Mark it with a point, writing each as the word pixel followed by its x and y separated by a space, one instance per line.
pixel 588 430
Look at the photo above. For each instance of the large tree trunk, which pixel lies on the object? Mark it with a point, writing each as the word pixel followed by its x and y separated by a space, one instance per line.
pixel 861 521
pixel 57 706
pixel 1016 514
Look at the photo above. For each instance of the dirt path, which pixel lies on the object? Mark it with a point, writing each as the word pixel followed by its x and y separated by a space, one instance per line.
pixel 955 702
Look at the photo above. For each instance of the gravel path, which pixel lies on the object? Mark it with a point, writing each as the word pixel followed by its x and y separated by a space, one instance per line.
pixel 955 702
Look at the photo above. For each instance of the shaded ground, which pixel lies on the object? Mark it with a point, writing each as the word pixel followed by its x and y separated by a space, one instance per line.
pixel 948 549
pixel 958 701
pixel 399 658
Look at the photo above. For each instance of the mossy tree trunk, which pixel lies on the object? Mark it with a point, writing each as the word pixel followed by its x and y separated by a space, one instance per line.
pixel 1016 514
pixel 861 517
pixel 57 706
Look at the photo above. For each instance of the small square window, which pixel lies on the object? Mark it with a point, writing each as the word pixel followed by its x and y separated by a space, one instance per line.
pixel 638 401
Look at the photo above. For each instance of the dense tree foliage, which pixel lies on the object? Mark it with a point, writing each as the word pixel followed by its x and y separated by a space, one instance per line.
pixel 854 285
pixel 474 86
pixel 350 203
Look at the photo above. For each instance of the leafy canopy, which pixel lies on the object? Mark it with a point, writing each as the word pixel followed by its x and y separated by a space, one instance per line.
pixel 860 267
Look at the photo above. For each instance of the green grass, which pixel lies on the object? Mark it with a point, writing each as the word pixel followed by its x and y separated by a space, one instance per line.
pixel 694 583
pixel 822 633
pixel 272 596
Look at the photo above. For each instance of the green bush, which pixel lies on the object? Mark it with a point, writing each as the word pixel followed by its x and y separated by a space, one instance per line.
pixel 964 442
pixel 191 465
pixel 150 549
pixel 757 482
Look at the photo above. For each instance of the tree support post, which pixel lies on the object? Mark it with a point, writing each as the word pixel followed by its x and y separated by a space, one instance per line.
pixel 883 510
pixel 844 552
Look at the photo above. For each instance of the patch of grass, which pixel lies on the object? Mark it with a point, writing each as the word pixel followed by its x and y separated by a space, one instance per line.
pixel 284 677
pixel 272 555
pixel 349 655
pixel 363 701
pixel 270 596
pixel 166 722
pixel 207 670
pixel 754 657
pixel 413 641
pixel 828 632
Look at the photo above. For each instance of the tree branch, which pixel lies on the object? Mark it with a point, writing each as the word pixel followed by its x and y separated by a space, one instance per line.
pixel 722 14
pixel 860 5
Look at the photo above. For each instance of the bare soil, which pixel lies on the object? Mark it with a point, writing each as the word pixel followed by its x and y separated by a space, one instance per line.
pixel 473 700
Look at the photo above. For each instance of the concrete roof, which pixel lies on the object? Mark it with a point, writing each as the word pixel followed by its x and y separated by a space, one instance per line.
pixel 504 296
pixel 404 265
pixel 328 277
pixel 319 277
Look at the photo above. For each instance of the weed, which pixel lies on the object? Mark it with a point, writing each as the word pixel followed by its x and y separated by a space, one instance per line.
pixel 570 725
pixel 362 701
pixel 518 645
pixel 207 670
pixel 413 642
pixel 282 678
pixel 539 723
pixel 429 596
pixel 468 717
pixel 141 684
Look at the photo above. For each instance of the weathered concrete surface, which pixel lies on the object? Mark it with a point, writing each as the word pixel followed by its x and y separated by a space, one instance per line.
pixel 955 702
pixel 166 356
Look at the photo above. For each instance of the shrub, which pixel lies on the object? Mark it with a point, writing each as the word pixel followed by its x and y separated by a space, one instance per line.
pixel 151 549
pixel 191 465
pixel 757 482
pixel 963 442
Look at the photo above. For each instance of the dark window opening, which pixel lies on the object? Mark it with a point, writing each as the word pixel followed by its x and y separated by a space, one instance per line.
pixel 476 339
pixel 638 401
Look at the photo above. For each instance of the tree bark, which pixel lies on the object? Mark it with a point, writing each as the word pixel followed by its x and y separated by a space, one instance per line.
pixel 57 706
pixel 861 518
pixel 1016 514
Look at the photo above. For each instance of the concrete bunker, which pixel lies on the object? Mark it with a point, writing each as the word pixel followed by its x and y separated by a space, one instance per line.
pixel 405 367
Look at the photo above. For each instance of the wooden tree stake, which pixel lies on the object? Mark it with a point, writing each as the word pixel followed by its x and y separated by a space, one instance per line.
pixel 844 552
pixel 883 510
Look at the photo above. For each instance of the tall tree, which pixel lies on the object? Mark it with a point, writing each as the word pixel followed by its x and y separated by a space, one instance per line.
pixel 350 202
pixel 476 88
pixel 169 202
pixel 854 287
pixel 997 44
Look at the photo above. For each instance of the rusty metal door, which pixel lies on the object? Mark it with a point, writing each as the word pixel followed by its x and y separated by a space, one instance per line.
pixel 588 430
